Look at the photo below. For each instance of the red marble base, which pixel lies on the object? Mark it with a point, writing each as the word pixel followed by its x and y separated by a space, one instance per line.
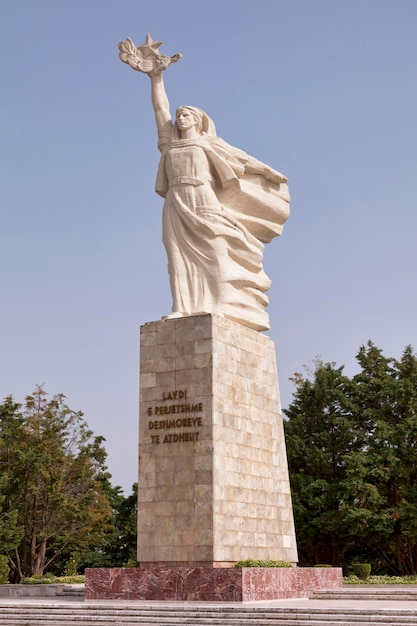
pixel 227 584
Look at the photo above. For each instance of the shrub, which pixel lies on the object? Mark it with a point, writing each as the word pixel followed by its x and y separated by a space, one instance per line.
pixel 255 563
pixel 322 565
pixel 38 579
pixel 381 580
pixel 361 570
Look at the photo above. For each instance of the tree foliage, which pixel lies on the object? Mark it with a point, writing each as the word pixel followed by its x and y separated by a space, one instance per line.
pixel 52 469
pixel 118 546
pixel 352 457
pixel 11 421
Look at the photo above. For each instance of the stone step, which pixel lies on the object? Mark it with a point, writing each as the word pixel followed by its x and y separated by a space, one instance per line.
pixel 72 590
pixel 80 614
pixel 328 621
pixel 368 592
pixel 42 591
pixel 369 621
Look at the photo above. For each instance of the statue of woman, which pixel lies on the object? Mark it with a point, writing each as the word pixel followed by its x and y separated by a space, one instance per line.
pixel 221 206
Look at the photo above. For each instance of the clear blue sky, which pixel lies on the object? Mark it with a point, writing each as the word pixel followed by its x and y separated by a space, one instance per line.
pixel 324 91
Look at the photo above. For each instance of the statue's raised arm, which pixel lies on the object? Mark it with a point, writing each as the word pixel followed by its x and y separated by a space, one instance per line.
pixel 221 207
pixel 147 59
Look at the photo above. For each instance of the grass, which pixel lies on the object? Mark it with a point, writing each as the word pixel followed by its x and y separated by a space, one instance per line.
pixel 380 580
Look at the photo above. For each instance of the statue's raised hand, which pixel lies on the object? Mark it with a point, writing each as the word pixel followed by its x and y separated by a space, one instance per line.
pixel 146 58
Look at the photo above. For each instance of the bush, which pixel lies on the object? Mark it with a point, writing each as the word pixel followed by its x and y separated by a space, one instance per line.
pixel 322 565
pixel 381 580
pixel 361 570
pixel 4 570
pixel 38 579
pixel 255 563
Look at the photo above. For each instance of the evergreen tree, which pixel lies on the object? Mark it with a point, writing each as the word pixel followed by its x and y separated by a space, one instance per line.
pixel 11 422
pixel 318 433
pixel 352 457
pixel 382 475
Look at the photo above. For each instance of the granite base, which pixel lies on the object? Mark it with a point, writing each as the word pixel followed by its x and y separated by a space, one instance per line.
pixel 227 584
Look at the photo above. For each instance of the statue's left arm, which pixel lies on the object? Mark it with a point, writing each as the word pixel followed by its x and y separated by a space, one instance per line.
pixel 243 163
pixel 253 166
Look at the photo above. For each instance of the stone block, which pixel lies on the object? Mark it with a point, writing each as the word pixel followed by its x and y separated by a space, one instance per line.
pixel 211 433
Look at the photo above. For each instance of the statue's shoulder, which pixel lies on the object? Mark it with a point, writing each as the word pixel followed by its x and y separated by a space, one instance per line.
pixel 215 141
pixel 165 136
pixel 226 149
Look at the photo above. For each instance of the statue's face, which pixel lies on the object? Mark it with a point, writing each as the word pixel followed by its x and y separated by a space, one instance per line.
pixel 185 119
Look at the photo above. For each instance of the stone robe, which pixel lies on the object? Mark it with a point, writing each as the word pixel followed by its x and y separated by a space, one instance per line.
pixel 216 218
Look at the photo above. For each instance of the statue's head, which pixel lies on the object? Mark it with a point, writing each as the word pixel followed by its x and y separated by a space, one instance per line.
pixel 204 125
pixel 185 116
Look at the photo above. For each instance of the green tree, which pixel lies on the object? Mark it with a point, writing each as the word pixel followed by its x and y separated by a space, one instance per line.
pixel 382 476
pixel 124 548
pixel 118 547
pixel 55 469
pixel 11 422
pixel 352 457
pixel 318 434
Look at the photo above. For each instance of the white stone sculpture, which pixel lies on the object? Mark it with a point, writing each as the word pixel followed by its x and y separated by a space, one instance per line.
pixel 221 207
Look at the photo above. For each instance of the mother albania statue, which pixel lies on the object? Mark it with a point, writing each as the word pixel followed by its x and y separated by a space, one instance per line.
pixel 221 207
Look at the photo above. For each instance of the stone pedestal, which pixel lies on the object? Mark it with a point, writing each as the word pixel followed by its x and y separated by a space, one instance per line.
pixel 213 477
